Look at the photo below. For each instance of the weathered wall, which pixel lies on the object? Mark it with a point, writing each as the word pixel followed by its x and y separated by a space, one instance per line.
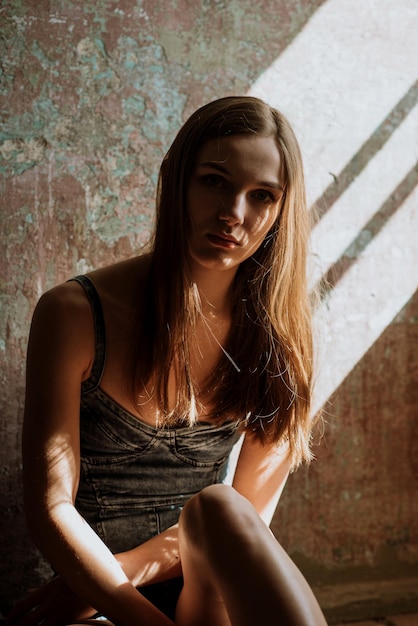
pixel 91 96
pixel 350 520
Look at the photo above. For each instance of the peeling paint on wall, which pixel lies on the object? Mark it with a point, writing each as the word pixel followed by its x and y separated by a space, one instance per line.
pixel 91 95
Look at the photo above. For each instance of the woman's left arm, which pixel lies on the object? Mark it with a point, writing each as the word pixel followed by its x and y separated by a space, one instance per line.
pixel 261 474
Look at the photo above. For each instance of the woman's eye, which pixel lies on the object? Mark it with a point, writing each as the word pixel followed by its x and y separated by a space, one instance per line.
pixel 213 180
pixel 263 196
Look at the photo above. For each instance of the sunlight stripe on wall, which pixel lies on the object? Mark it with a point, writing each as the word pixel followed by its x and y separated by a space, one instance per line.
pixel 350 214
pixel 338 79
pixel 348 85
pixel 367 298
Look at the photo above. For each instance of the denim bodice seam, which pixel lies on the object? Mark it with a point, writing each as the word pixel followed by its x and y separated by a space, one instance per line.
pixel 135 478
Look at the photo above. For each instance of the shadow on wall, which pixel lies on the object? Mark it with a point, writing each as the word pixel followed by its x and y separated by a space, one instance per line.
pixel 351 522
pixel 94 95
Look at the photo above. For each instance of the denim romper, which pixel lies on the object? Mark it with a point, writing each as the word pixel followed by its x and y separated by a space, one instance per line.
pixel 135 478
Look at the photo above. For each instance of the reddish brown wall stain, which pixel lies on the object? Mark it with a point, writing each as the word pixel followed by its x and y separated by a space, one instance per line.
pixel 350 520
pixel 91 95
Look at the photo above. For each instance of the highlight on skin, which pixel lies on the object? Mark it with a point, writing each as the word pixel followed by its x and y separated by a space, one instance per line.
pixel 269 290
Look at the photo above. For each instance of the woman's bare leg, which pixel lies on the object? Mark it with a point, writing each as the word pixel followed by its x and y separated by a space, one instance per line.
pixel 235 571
pixel 105 622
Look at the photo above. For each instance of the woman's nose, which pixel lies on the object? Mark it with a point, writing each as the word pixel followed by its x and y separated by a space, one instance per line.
pixel 233 209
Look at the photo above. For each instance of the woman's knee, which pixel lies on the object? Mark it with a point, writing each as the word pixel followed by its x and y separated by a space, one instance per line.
pixel 213 501
pixel 215 496
pixel 214 511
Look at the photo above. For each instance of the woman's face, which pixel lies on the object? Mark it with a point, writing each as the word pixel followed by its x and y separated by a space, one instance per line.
pixel 233 200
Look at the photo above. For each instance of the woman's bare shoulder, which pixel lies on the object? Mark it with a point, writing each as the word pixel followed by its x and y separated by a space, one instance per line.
pixel 65 309
pixel 67 299
pixel 62 331
pixel 122 280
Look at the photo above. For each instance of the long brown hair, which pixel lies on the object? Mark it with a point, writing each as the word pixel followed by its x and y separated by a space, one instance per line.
pixel 270 342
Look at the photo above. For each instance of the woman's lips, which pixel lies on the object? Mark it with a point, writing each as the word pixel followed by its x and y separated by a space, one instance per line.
pixel 222 241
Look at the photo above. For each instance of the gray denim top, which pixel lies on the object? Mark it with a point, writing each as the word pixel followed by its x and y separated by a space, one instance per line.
pixel 135 478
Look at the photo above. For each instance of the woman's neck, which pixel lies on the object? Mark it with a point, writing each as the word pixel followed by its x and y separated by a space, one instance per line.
pixel 215 291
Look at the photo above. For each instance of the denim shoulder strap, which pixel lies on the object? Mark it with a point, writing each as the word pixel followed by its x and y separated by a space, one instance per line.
pixel 100 334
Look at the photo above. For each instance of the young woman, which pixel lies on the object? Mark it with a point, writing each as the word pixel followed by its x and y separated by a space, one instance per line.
pixel 176 354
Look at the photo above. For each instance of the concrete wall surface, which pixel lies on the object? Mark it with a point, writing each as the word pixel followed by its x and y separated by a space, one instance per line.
pixel 91 95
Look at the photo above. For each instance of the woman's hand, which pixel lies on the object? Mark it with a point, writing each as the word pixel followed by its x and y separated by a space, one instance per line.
pixel 52 604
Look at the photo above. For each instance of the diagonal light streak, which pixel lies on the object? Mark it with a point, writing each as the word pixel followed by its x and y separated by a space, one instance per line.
pixel 340 77
pixel 348 85
pixel 349 215
pixel 371 229
pixel 368 150
pixel 367 298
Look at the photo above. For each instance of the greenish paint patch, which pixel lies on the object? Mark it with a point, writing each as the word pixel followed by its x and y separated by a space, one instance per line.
pixel 18 155
pixel 100 152
pixel 134 106
pixel 40 55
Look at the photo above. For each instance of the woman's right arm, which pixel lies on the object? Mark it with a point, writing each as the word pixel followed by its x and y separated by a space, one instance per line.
pixel 60 353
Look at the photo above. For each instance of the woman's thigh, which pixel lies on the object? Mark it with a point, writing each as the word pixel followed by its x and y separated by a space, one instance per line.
pixel 235 571
pixel 93 622
pixel 201 602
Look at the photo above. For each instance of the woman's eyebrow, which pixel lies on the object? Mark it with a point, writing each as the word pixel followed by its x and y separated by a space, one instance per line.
pixel 220 168
pixel 215 165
